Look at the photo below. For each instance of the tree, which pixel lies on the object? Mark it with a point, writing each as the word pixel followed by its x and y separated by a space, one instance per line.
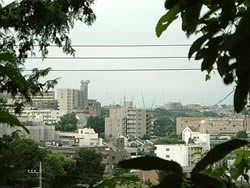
pixel 97 123
pixel 241 134
pixel 223 41
pixel 22 155
pixel 173 173
pixel 27 26
pixel 164 126
pixel 88 167
pixel 67 122
pixel 122 180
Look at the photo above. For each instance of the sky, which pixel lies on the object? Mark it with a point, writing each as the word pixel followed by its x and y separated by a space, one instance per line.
pixel 132 22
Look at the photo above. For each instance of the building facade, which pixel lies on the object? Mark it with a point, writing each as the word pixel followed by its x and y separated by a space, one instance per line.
pixel 180 153
pixel 71 100
pixel 83 100
pixel 212 125
pixel 68 99
pixel 128 121
pixel 38 131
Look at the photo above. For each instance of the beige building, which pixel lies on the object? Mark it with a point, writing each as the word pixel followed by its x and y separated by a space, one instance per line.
pixel 43 100
pixel 68 99
pixel 37 131
pixel 212 125
pixel 72 100
pixel 47 116
pixel 128 121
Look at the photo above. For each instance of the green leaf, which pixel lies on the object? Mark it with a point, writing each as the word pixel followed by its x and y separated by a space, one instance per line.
pixel 150 163
pixel 246 177
pixel 8 57
pixel 223 65
pixel 240 98
pixel 167 19
pixel 218 153
pixel 11 120
pixel 208 77
pixel 205 181
pixel 171 3
pixel 190 16
pixel 196 46
pixel 172 180
pixel 228 11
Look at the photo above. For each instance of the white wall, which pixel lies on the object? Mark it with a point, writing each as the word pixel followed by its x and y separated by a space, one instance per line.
pixel 177 153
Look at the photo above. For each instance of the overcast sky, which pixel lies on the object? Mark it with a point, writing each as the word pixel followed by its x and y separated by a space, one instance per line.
pixel 132 22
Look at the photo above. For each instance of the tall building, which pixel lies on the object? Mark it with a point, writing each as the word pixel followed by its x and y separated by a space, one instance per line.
pixel 83 100
pixel 128 121
pixel 68 99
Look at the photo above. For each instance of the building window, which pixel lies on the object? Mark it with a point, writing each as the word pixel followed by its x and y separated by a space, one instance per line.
pixel 167 149
pixel 167 156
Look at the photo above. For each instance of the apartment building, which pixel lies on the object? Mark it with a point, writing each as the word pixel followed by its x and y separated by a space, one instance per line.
pixel 128 121
pixel 180 153
pixel 213 125
pixel 68 99
pixel 43 100
pixel 76 100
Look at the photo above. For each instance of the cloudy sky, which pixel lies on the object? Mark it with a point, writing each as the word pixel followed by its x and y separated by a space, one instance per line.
pixel 132 22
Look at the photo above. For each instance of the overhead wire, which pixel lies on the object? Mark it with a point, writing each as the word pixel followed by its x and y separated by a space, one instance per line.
pixel 122 45
pixel 122 70
pixel 228 95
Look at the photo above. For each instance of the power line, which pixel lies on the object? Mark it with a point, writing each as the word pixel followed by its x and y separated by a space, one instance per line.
pixel 120 70
pixel 110 57
pixel 225 97
pixel 122 45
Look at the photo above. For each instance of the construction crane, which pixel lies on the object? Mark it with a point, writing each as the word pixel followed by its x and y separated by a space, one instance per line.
pixel 143 101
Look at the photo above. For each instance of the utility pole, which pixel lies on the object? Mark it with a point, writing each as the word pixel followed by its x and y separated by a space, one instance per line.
pixel 39 174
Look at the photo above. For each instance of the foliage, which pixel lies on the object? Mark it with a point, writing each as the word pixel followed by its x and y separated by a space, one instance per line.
pixel 174 174
pixel 67 122
pixel 25 27
pixel 9 170
pixel 224 40
pixel 54 165
pixel 88 167
pixel 165 140
pixel 22 155
pixel 97 123
pixel 117 171
pixel 164 126
pixel 241 134
pixel 123 180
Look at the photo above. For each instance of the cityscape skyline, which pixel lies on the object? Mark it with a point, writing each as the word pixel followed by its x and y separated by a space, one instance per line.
pixel 122 56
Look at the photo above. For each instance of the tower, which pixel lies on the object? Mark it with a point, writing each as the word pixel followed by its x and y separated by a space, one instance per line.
pixel 84 94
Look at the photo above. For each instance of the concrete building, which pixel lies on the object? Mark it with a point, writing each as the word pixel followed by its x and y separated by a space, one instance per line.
pixel 38 131
pixel 43 100
pixel 85 137
pixel 47 116
pixel 128 121
pixel 193 136
pixel 72 100
pixel 180 153
pixel 172 106
pixel 68 99
pixel 212 125
pixel 83 100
